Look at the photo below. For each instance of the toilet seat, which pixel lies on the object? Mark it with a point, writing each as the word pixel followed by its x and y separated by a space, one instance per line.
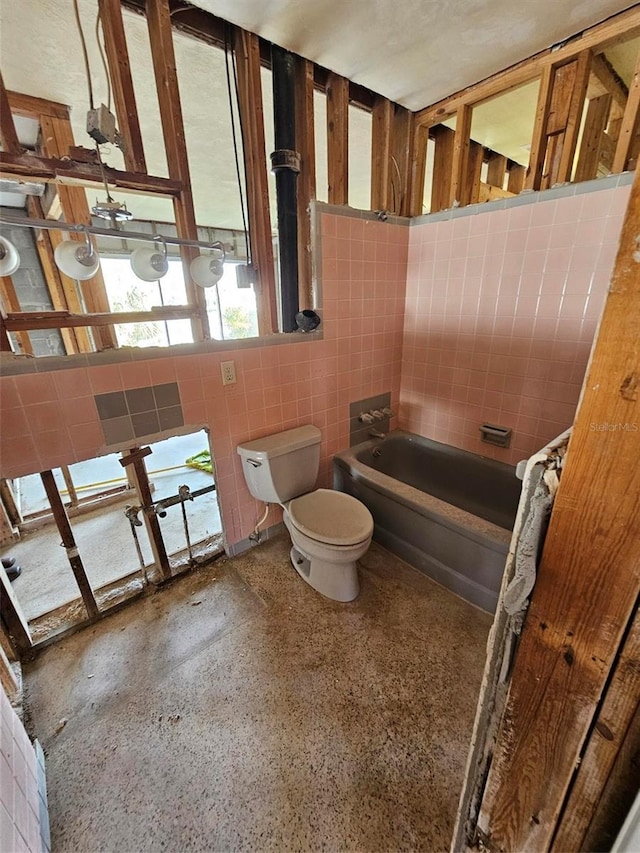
pixel 331 517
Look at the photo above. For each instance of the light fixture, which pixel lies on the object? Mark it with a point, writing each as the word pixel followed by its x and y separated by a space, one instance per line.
pixel 206 270
pixel 9 257
pixel 77 260
pixel 148 263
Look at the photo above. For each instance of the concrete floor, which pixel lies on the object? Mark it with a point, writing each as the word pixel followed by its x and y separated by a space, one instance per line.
pixel 239 710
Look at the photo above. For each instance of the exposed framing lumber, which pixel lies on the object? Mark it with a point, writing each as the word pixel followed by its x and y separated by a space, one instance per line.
pixel 166 77
pixel 589 577
pixel 539 143
pixel 247 50
pixel 443 157
pixel 516 179
pixel 629 138
pixel 381 118
pixel 338 139
pixel 598 38
pixel 306 188
pixel 619 705
pixel 10 302
pixel 459 190
pixel 417 168
pixel 8 135
pixel 30 106
pixel 592 138
pixel 605 81
pixel 576 106
pixel 496 168
pixel 476 160
pixel 21 321
pixel 69 543
pixel 400 170
pixel 12 617
pixel 123 92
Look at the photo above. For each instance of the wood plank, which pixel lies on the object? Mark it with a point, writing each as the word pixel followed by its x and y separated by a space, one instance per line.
pixel 5 343
pixel 417 167
pixel 10 302
pixel 459 191
pixel 487 192
pixel 587 586
pixel 496 168
pixel 305 145
pixel 32 107
pixel 16 321
pixel 338 139
pixel 68 172
pixel 57 138
pixel 381 118
pixel 616 713
pixel 8 135
pixel 115 44
pixel 399 171
pixel 442 162
pixel 166 77
pixel 516 179
pixel 57 284
pixel 574 116
pixel 247 51
pixel 538 152
pixel 592 137
pixel 12 617
pixel 476 159
pixel 69 543
pixel 630 127
pixel 598 38
pixel 605 81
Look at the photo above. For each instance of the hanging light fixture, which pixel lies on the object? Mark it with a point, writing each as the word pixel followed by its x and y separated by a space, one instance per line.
pixel 148 263
pixel 207 270
pixel 9 257
pixel 77 260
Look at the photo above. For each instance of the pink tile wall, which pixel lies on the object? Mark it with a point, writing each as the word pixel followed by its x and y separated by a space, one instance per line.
pixel 19 798
pixel 49 419
pixel 501 311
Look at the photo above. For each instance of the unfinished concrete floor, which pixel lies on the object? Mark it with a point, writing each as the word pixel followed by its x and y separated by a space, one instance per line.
pixel 239 710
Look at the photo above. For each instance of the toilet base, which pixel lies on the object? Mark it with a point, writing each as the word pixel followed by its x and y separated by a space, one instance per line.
pixel 337 581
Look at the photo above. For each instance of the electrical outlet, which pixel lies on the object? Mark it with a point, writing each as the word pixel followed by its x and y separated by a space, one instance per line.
pixel 228 370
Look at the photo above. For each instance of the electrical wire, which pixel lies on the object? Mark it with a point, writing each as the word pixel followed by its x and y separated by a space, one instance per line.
pixel 104 58
pixel 246 220
pixel 84 52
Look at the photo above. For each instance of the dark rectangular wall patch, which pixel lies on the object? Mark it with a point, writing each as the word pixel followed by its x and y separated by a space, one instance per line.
pixel 139 412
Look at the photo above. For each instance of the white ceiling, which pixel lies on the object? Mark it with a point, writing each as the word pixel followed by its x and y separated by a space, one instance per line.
pixel 415 51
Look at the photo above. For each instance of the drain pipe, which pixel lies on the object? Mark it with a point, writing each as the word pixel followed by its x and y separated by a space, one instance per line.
pixel 285 164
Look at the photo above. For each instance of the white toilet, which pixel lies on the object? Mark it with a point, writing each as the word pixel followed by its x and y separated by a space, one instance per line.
pixel 329 530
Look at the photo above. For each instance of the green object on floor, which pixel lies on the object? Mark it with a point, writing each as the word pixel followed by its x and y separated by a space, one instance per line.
pixel 201 461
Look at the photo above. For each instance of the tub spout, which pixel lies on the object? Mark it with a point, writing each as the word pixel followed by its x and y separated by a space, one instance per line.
pixel 375 433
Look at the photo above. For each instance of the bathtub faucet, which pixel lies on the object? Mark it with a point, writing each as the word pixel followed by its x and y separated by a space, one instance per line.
pixel 375 433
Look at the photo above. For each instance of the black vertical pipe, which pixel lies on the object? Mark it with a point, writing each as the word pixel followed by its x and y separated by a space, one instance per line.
pixel 285 164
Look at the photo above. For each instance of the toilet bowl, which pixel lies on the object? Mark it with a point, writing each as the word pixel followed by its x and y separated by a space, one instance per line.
pixel 329 530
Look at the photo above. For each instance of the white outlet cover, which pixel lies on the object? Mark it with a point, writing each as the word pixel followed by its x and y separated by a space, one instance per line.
pixel 228 371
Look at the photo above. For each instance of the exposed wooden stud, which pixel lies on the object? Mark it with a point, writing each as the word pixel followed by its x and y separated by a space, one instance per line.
pixel 133 462
pixel 8 135
pixel 18 321
pixel 496 168
pixel 574 116
pixel 614 717
pixel 629 137
pixel 12 617
pixel 516 179
pixel 613 31
pixel 247 51
pixel 122 84
pixel 305 145
pixel 476 159
pixel 442 160
pixel 69 173
pixel 68 481
pixel 539 143
pixel 30 106
pixel 5 343
pixel 8 680
pixel 381 118
pixel 592 136
pixel 399 170
pixel 459 191
pixel 487 192
pixel 588 578
pixel 166 77
pixel 10 302
pixel 69 543
pixel 338 139
pixel 417 168
pixel 605 81
pixel 9 503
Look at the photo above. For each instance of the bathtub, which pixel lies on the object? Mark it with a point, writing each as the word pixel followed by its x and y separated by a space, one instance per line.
pixel 445 511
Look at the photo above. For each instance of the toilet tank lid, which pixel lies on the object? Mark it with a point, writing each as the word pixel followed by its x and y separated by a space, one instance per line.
pixel 270 446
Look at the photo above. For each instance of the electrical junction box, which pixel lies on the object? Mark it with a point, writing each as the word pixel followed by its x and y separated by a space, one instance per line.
pixel 246 275
pixel 101 125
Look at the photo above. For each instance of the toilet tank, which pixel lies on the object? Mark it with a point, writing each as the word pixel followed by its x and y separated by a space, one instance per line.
pixel 282 466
